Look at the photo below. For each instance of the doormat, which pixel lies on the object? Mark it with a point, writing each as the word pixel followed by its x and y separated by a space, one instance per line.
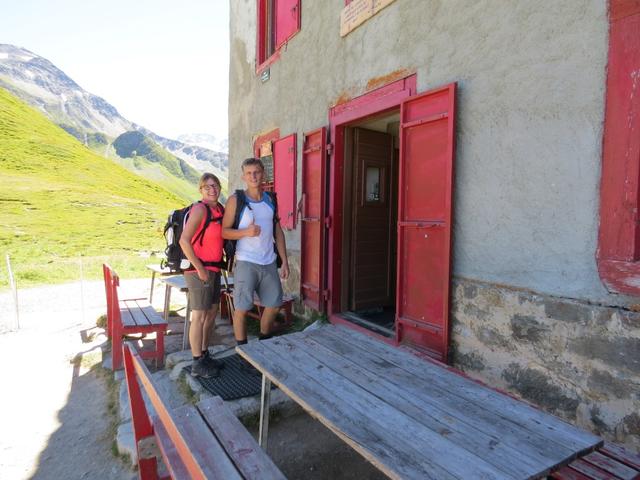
pixel 235 381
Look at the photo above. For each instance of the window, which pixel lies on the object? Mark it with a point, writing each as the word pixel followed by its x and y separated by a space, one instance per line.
pixel 279 158
pixel 619 237
pixel 278 21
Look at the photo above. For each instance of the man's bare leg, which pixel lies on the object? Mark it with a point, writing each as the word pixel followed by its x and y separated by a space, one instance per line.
pixel 266 321
pixel 240 326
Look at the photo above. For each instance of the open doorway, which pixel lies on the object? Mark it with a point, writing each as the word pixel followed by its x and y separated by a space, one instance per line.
pixel 370 200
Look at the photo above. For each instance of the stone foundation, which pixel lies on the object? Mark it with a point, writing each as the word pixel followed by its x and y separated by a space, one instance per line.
pixel 573 359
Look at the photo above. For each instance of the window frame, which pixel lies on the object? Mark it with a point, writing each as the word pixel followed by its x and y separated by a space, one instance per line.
pixel 264 61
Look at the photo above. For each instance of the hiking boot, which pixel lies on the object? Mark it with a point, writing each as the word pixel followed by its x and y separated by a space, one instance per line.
pixel 200 368
pixel 209 360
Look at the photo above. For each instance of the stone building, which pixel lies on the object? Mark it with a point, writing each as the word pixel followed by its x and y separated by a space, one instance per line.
pixel 460 177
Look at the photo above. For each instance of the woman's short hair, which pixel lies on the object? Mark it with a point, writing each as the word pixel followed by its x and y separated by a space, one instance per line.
pixel 206 177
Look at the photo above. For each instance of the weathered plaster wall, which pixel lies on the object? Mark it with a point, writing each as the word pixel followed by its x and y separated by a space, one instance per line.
pixel 573 359
pixel 531 77
pixel 530 112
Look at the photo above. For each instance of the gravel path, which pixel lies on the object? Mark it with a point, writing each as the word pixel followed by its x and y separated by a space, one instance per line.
pixel 54 411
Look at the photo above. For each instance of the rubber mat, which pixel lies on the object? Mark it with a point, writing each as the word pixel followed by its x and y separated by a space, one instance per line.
pixel 235 381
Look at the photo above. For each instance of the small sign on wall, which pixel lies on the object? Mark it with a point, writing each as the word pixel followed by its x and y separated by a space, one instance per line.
pixel 358 12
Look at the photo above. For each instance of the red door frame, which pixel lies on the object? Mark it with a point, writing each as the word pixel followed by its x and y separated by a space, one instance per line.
pixel 388 97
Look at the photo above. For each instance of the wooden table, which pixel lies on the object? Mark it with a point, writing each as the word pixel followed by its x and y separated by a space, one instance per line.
pixel 157 270
pixel 178 282
pixel 411 417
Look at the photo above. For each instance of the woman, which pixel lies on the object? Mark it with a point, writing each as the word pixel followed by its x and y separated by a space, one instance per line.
pixel 201 242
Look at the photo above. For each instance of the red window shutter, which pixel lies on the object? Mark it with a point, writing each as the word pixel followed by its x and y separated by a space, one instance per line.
pixel 287 20
pixel 313 243
pixel 284 169
pixel 424 220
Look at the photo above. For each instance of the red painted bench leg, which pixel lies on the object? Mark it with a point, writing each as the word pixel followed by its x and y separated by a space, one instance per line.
pixel 159 348
pixel 116 350
pixel 142 428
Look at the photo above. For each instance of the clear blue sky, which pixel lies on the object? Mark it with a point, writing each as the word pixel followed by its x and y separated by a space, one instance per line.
pixel 161 63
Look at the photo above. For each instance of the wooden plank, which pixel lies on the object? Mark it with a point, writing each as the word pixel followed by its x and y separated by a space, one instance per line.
pixel 138 316
pixel 555 430
pixel 468 412
pixel 125 315
pixel 567 473
pixel 591 471
pixel 172 460
pixel 508 454
pixel 370 426
pixel 176 281
pixel 612 466
pixel 249 458
pixel 153 317
pixel 209 454
pixel 621 455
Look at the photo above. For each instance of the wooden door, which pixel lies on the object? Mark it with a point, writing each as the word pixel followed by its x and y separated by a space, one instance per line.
pixel 370 285
pixel 313 219
pixel 424 220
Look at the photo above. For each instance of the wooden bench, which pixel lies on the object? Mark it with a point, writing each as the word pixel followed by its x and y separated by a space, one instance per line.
pixel 195 442
pixel 129 317
pixel 226 299
pixel 609 462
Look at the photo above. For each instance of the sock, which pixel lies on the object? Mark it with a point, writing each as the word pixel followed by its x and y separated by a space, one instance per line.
pixel 205 353
pixel 241 342
pixel 195 359
pixel 264 336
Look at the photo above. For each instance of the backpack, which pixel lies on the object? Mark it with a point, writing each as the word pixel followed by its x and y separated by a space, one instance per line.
pixel 230 245
pixel 175 258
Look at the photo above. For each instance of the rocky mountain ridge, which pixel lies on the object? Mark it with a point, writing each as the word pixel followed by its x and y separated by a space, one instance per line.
pixel 41 84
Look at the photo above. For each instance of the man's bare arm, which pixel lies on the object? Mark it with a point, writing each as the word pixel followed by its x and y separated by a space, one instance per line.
pixel 230 233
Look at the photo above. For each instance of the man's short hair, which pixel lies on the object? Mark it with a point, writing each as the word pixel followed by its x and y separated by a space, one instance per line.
pixel 252 161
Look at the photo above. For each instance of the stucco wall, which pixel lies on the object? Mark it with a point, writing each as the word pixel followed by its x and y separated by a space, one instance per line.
pixel 530 112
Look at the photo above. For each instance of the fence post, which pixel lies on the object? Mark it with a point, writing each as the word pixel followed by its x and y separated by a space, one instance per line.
pixel 82 290
pixel 14 289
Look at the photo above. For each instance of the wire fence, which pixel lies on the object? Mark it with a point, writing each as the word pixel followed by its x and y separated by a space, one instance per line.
pixel 31 290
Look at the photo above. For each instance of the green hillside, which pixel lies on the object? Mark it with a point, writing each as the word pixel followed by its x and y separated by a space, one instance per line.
pixel 59 200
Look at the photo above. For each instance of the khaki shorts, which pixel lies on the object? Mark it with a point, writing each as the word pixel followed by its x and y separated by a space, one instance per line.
pixel 264 280
pixel 203 295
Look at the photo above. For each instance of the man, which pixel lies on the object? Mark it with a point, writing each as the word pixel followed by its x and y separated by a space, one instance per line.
pixel 202 245
pixel 255 269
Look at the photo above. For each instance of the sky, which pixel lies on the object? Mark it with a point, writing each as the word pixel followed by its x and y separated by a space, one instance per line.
pixel 163 64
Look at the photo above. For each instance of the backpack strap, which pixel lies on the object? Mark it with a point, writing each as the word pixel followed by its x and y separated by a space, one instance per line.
pixel 276 219
pixel 200 235
pixel 241 202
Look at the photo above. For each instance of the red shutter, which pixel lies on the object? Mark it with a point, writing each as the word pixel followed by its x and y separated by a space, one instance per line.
pixel 313 213
pixel 287 20
pixel 424 220
pixel 284 169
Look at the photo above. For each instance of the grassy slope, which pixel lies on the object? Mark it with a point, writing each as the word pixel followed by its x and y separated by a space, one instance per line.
pixel 59 200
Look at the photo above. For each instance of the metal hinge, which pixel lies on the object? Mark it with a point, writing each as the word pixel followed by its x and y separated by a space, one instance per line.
pixel 325 295
pixel 329 148
pixel 327 222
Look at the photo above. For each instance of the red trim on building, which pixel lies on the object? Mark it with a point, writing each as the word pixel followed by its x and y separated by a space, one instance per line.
pixel 291 26
pixel 619 236
pixel 388 97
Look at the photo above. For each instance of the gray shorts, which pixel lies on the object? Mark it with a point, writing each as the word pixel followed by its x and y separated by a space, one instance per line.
pixel 262 279
pixel 203 295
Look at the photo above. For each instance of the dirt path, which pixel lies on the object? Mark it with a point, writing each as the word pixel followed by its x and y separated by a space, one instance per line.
pixel 54 411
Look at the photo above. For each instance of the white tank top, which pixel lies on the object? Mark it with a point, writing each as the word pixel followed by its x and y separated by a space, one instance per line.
pixel 257 249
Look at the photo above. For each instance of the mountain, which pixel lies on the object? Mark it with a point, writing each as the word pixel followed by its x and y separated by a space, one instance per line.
pixel 60 200
pixel 88 117
pixel 205 140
